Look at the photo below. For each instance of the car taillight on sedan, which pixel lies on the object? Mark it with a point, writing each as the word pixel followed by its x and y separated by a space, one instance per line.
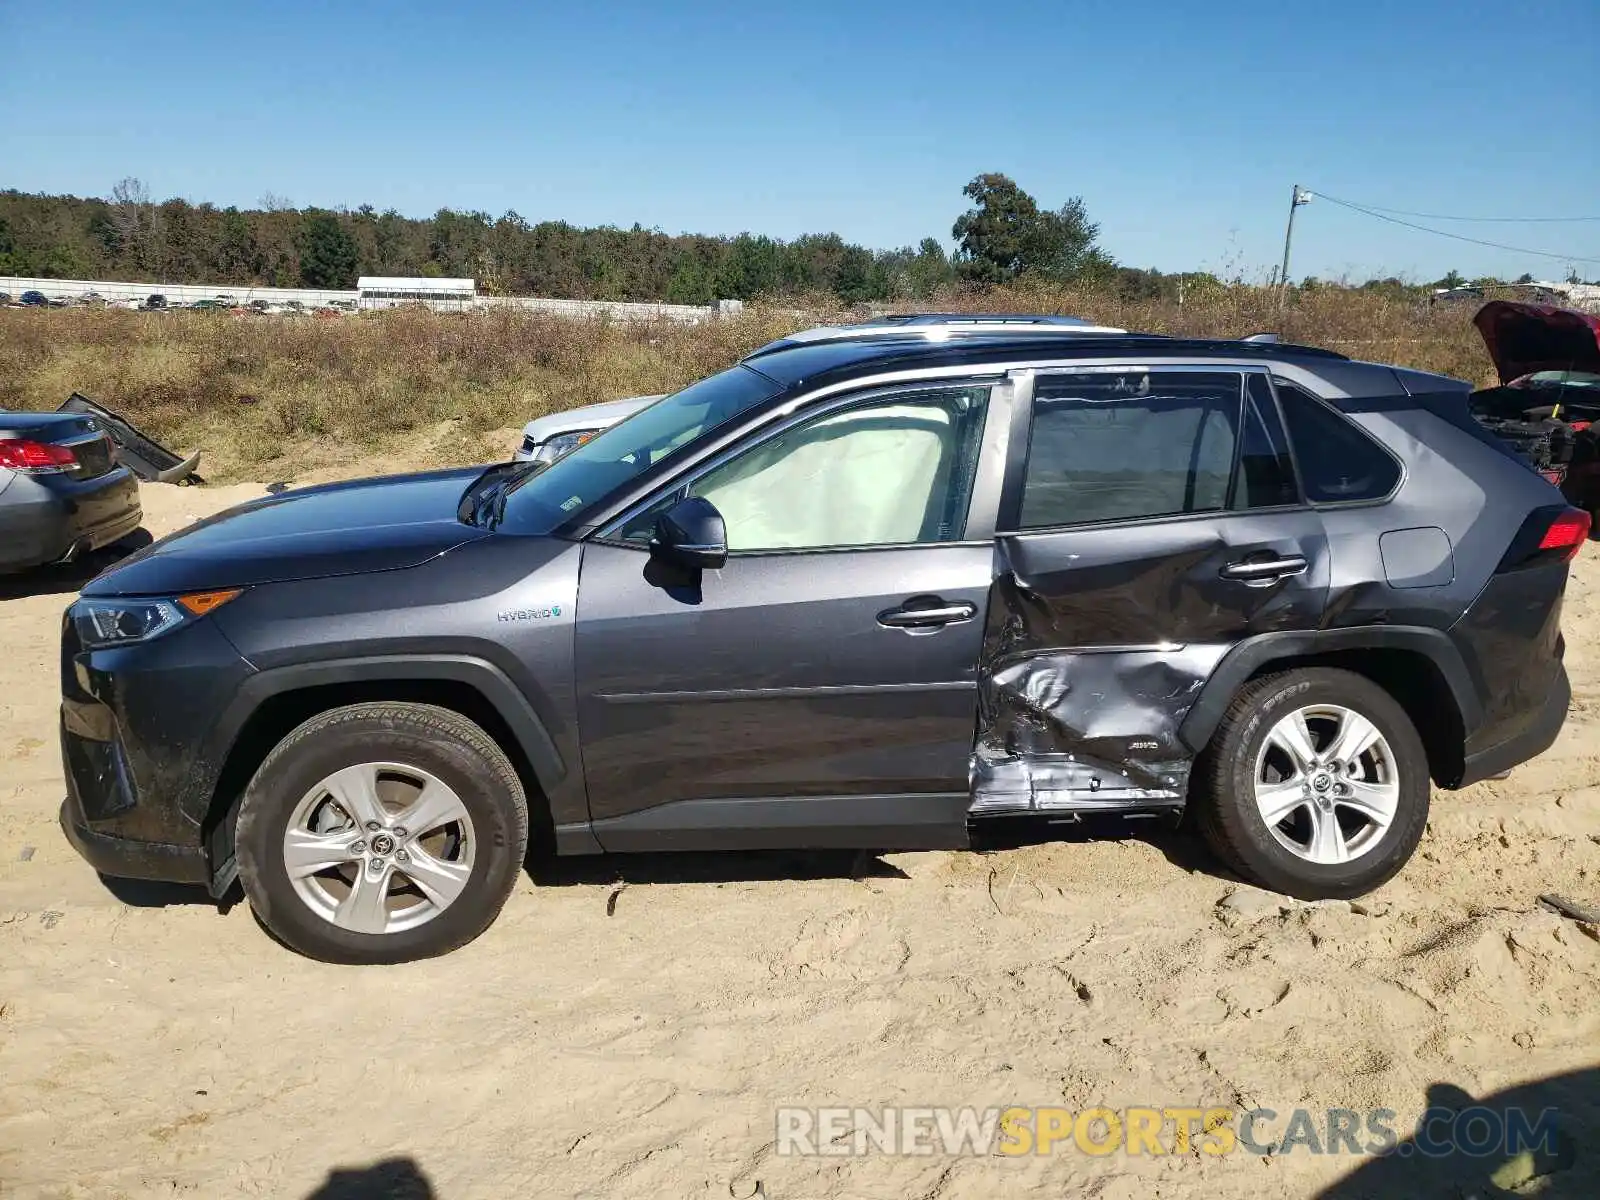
pixel 36 458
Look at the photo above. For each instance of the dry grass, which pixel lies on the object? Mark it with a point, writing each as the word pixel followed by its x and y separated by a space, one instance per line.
pixel 282 398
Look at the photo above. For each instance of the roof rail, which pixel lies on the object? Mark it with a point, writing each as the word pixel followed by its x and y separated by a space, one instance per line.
pixel 1266 339
pixel 937 327
pixel 976 318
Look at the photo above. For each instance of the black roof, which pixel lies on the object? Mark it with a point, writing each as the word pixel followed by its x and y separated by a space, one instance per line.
pixel 820 362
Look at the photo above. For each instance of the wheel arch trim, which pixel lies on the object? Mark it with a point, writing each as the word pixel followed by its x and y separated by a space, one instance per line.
pixel 1250 656
pixel 496 687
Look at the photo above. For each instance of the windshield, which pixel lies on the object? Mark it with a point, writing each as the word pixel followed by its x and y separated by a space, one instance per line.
pixel 543 499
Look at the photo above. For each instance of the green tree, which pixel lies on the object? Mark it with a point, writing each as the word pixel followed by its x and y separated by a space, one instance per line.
pixel 328 255
pixel 691 283
pixel 1454 279
pixel 1006 235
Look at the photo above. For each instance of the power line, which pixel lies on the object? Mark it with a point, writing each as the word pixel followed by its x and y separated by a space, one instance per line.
pixel 1427 216
pixel 1567 258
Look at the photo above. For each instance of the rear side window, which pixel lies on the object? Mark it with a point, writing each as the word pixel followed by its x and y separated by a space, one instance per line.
pixel 1338 462
pixel 1122 445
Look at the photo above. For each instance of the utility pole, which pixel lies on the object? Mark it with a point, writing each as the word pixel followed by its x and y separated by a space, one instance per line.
pixel 1297 197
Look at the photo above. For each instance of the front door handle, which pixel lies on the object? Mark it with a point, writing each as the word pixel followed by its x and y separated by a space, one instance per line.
pixel 1265 570
pixel 927 612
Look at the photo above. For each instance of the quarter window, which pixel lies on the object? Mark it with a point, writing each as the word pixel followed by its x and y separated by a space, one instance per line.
pixel 1123 445
pixel 1338 462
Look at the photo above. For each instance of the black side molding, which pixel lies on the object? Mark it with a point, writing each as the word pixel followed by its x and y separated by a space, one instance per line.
pixel 924 821
pixel 1251 655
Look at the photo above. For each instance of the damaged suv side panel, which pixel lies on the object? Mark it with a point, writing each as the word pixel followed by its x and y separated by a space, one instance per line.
pixel 1100 637
pixel 1099 642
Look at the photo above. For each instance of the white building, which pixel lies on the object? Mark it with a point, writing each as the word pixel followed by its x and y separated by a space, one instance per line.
pixel 441 295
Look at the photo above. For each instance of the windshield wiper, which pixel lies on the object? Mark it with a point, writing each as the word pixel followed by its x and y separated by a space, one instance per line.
pixel 484 502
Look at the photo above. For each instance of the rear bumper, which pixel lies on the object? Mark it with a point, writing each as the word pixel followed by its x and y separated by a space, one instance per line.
pixel 1534 739
pixel 42 523
pixel 126 858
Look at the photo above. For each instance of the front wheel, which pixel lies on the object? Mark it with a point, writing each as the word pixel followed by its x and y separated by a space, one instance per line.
pixel 381 833
pixel 1315 784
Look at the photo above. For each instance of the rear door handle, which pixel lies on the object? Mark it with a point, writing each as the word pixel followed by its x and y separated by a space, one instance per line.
pixel 927 613
pixel 1265 570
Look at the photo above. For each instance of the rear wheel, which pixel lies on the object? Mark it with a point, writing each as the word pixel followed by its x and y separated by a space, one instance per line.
pixel 381 833
pixel 1315 784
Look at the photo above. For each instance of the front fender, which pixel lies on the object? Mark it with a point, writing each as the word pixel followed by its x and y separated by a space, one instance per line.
pixel 562 783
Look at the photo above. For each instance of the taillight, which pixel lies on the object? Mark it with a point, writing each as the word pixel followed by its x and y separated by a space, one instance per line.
pixel 37 458
pixel 1551 535
pixel 1567 533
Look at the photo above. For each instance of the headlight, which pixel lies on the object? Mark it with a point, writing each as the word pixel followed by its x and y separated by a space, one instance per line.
pixel 114 622
pixel 562 443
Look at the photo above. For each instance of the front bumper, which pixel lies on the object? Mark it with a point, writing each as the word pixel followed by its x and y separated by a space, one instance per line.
pixel 136 747
pixel 126 858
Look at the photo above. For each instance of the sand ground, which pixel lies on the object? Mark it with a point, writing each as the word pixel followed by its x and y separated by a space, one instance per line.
pixel 161 1048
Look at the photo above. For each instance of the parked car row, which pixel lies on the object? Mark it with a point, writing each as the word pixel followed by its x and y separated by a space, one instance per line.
pixel 159 302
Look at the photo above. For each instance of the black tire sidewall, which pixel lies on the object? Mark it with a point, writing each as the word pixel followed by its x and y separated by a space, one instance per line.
pixel 285 778
pixel 1260 853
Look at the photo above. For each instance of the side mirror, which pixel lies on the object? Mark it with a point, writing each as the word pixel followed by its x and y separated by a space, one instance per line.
pixel 691 534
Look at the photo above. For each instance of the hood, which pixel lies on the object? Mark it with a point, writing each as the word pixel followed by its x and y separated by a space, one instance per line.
pixel 1524 338
pixel 351 528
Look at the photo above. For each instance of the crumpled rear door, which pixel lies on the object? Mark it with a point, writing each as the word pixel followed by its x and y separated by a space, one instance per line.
pixel 1102 633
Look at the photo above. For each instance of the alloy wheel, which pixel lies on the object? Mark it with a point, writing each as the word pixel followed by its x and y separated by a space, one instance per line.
pixel 378 848
pixel 1326 784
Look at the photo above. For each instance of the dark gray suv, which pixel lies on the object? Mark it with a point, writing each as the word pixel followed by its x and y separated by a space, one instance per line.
pixel 882 592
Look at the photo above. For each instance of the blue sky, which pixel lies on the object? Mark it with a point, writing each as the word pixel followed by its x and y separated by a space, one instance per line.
pixel 1183 125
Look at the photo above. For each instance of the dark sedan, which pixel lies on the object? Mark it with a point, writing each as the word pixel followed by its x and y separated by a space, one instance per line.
pixel 62 491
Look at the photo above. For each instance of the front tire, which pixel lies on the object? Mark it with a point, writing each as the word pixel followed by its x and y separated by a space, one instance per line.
pixel 1315 784
pixel 381 833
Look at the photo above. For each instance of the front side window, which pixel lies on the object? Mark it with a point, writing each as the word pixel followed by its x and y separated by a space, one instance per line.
pixel 1129 444
pixel 1338 462
pixel 893 470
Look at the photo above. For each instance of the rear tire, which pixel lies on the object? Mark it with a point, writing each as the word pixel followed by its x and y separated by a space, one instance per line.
pixel 324 855
pixel 1346 822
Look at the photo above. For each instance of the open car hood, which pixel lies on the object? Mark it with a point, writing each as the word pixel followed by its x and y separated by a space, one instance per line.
pixel 1524 338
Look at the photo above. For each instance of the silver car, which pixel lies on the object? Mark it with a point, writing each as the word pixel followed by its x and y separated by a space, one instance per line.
pixel 548 438
pixel 62 491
